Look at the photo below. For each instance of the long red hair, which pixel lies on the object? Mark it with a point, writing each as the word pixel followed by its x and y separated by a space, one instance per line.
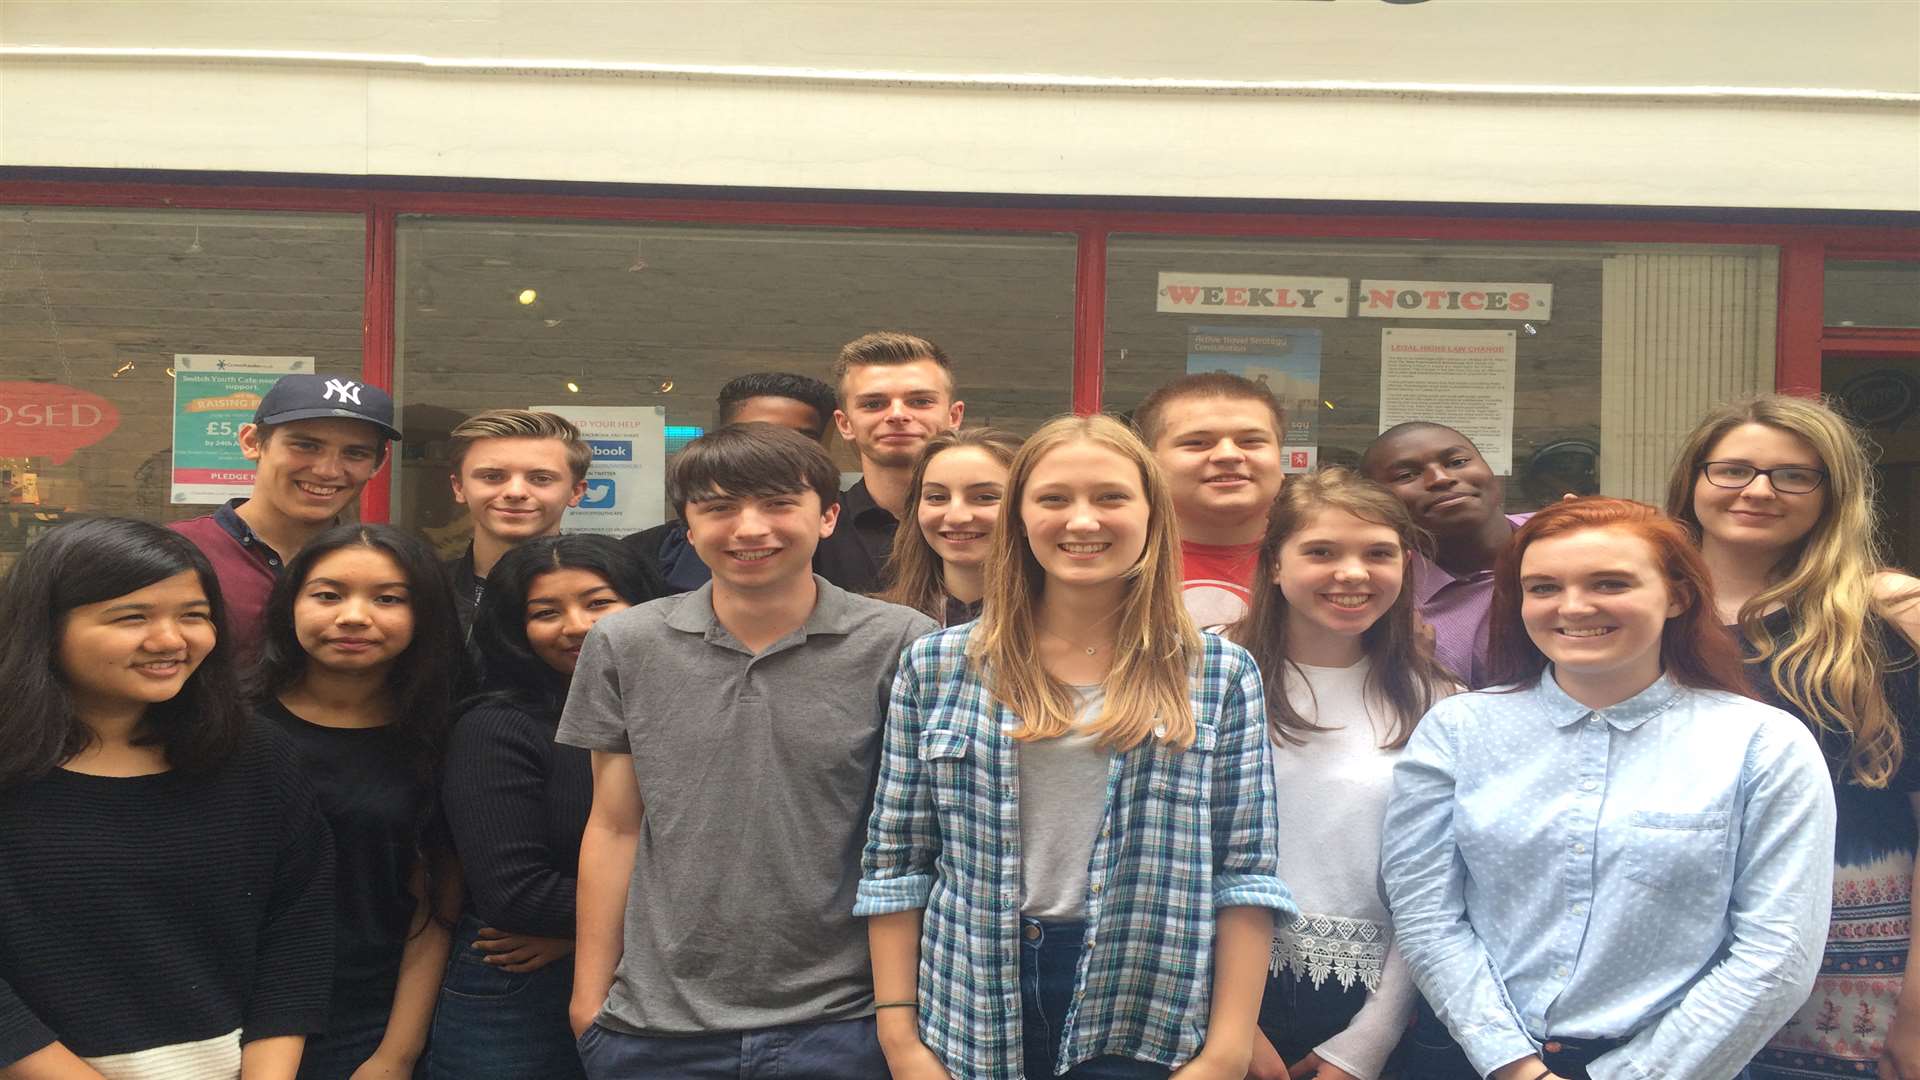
pixel 1695 650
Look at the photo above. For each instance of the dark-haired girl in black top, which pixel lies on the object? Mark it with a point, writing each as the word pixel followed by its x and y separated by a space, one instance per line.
pixel 165 879
pixel 517 803
pixel 362 653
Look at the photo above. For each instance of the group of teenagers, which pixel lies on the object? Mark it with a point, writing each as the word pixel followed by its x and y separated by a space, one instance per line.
pixel 1106 754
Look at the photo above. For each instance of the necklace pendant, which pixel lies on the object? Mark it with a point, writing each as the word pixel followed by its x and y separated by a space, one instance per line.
pixel 1091 649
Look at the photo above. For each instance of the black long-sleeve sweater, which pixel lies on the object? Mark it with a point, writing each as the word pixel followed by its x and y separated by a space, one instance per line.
pixel 517 803
pixel 139 912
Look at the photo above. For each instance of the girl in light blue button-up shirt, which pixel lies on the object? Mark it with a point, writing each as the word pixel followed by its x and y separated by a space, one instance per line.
pixel 1614 863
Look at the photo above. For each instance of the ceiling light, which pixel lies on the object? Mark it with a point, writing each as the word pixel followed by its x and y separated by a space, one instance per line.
pixel 528 296
pixel 573 387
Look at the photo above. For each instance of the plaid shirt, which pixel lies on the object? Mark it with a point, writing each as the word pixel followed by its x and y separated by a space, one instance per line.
pixel 1184 834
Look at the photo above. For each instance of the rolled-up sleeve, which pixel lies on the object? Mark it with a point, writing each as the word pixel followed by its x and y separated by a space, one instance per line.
pixel 1782 899
pixel 1246 827
pixel 1425 882
pixel 903 837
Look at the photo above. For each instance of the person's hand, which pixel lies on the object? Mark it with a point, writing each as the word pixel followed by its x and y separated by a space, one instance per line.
pixel 1206 1066
pixel 1314 1067
pixel 1267 1062
pixel 380 1067
pixel 520 953
pixel 1900 1060
pixel 580 1017
pixel 916 1062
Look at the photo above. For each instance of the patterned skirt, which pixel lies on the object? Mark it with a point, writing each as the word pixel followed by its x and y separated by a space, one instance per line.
pixel 1842 1028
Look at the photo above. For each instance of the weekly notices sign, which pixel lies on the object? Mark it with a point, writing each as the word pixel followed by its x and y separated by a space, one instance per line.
pixel 212 397
pixel 1252 294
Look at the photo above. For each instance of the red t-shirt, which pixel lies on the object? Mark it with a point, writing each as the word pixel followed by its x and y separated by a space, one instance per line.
pixel 1217 580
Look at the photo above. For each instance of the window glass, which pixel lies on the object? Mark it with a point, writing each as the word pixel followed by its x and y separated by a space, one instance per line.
pixel 497 314
pixel 1873 292
pixel 95 306
pixel 1574 367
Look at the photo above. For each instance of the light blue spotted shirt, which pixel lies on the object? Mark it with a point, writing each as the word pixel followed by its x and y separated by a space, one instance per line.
pixel 1660 870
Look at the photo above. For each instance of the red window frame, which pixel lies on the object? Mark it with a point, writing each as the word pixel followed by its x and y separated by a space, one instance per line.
pixel 1801 342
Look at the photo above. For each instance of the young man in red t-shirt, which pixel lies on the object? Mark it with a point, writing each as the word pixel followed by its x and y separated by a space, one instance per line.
pixel 1217 436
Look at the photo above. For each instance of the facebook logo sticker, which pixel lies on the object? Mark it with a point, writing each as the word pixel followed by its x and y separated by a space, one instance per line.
pixel 611 449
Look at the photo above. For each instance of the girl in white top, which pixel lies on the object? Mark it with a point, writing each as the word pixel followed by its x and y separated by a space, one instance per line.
pixel 1348 675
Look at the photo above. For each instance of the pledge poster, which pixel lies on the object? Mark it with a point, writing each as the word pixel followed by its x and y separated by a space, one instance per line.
pixel 1460 378
pixel 212 397
pixel 627 480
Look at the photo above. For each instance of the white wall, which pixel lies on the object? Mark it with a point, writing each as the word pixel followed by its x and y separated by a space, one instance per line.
pixel 1819 104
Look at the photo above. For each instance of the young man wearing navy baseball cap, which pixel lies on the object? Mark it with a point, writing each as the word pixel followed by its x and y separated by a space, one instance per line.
pixel 315 441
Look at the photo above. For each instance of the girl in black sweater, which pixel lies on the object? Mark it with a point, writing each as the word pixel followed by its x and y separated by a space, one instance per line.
pixel 516 803
pixel 362 653
pixel 166 894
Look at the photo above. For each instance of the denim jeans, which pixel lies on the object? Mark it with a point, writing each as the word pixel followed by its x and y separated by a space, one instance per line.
pixel 1049 963
pixel 497 1025
pixel 1296 1017
pixel 836 1050
pixel 1431 1053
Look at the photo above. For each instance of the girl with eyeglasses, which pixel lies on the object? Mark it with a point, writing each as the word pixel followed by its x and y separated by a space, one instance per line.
pixel 1779 492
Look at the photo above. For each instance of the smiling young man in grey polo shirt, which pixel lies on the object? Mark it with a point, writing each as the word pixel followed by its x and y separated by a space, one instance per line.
pixel 735 733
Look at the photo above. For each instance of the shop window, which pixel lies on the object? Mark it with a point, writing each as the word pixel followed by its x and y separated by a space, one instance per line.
pixel 604 316
pixel 95 307
pixel 1576 368
pixel 1872 292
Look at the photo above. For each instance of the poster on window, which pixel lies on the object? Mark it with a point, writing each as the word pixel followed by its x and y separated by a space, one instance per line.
pixel 627 479
pixel 1285 362
pixel 213 396
pixel 1460 378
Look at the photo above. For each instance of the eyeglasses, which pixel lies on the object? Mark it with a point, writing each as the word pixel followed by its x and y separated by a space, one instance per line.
pixel 1787 479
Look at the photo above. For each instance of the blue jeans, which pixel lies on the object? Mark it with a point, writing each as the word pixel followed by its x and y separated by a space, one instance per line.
pixel 1049 963
pixel 836 1050
pixel 1296 1017
pixel 496 1025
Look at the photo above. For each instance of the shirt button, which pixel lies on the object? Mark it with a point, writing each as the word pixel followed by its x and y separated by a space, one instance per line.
pixel 1578 909
pixel 1588 785
pixel 1561 971
pixel 1579 848
pixel 1096 888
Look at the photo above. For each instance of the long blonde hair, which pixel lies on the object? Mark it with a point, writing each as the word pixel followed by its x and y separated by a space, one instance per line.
pixel 1831 667
pixel 1156 647
pixel 915 575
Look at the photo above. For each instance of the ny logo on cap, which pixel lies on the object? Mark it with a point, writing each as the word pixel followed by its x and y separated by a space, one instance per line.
pixel 347 389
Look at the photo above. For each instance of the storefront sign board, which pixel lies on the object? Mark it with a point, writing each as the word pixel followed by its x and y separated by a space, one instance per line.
pixel 627 482
pixel 213 396
pixel 1531 301
pixel 1286 362
pixel 1460 378
pixel 1252 294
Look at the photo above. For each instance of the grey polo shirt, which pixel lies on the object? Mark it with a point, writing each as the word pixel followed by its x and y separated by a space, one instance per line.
pixel 756 773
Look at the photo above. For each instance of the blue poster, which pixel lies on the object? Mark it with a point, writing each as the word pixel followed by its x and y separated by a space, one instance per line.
pixel 1286 362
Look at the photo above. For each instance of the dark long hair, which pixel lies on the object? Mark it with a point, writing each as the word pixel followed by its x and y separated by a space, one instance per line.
pixel 510 673
pixel 1403 673
pixel 422 680
pixel 1695 651
pixel 87 562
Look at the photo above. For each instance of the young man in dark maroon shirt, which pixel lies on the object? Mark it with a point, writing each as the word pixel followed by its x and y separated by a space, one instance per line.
pixel 315 441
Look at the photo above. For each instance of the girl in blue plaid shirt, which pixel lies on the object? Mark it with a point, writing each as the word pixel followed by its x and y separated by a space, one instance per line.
pixel 1070 866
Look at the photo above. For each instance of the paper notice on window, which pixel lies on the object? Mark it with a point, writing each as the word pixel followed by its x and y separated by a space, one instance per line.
pixel 626 479
pixel 1460 378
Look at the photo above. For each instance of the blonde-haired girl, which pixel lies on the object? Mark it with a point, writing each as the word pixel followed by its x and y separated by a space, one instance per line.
pixel 1349 674
pixel 1779 491
pixel 938 562
pixel 1076 794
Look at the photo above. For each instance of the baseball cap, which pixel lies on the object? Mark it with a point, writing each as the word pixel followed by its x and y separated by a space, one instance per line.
pixel 326 397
